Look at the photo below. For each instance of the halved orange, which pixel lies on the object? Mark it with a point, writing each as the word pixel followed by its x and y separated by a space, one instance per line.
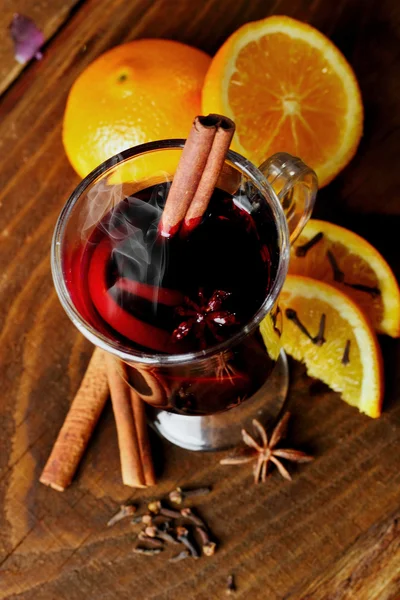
pixel 326 330
pixel 347 261
pixel 288 88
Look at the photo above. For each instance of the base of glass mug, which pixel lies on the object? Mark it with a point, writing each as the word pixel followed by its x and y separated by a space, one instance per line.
pixel 223 430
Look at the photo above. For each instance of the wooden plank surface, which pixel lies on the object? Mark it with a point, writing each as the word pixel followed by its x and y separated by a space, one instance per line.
pixel 49 15
pixel 332 533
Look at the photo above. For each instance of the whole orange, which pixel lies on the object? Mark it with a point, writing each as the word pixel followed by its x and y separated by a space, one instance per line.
pixel 138 92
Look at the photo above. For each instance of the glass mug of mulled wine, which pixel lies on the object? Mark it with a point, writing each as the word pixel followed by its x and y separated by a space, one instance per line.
pixel 195 318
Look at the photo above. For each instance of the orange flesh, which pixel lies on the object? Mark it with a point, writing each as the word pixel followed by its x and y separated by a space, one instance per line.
pixel 267 94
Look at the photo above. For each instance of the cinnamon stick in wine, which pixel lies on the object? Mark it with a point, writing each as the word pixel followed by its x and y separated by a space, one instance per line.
pixel 131 465
pixel 215 162
pixel 78 426
pixel 197 172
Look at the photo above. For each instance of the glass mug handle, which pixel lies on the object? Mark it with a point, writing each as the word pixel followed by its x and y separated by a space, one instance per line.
pixel 296 186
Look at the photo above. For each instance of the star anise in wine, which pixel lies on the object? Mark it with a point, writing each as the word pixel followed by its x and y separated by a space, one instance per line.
pixel 204 315
pixel 224 369
pixel 263 451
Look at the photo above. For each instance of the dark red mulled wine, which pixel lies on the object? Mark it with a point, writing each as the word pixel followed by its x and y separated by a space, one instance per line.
pixel 182 294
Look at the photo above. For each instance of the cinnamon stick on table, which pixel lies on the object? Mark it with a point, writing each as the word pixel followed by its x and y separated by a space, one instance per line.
pixel 197 173
pixel 139 416
pixel 131 464
pixel 78 426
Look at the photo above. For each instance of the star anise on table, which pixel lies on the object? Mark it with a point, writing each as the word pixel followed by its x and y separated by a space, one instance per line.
pixel 204 314
pixel 263 451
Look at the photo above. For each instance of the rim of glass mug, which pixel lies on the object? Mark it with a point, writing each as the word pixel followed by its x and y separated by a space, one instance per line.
pixel 126 353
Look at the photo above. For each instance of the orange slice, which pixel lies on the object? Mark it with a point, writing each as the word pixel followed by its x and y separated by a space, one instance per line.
pixel 288 88
pixel 345 260
pixel 343 351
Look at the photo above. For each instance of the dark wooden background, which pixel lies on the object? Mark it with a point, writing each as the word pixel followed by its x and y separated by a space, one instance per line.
pixel 331 534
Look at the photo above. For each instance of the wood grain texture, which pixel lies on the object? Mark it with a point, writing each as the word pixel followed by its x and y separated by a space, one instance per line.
pixel 49 15
pixel 333 532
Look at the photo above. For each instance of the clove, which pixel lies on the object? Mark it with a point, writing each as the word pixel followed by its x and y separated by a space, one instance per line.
pixel 304 248
pixel 126 510
pixel 181 556
pixel 155 532
pixel 188 514
pixel 169 512
pixel 338 275
pixel 147 551
pixel 274 316
pixel 183 537
pixel 319 339
pixel 155 542
pixel 230 585
pixel 207 545
pixel 346 353
pixel 374 291
pixel 178 495
pixel 158 509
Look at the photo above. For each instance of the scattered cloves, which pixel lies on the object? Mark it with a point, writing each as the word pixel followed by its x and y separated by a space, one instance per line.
pixel 178 495
pixel 207 544
pixel 183 537
pixel 126 510
pixel 181 556
pixel 164 525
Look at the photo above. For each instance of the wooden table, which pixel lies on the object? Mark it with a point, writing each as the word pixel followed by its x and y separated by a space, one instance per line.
pixel 331 534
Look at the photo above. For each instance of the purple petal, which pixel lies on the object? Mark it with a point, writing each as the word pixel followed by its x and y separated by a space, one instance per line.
pixel 27 38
